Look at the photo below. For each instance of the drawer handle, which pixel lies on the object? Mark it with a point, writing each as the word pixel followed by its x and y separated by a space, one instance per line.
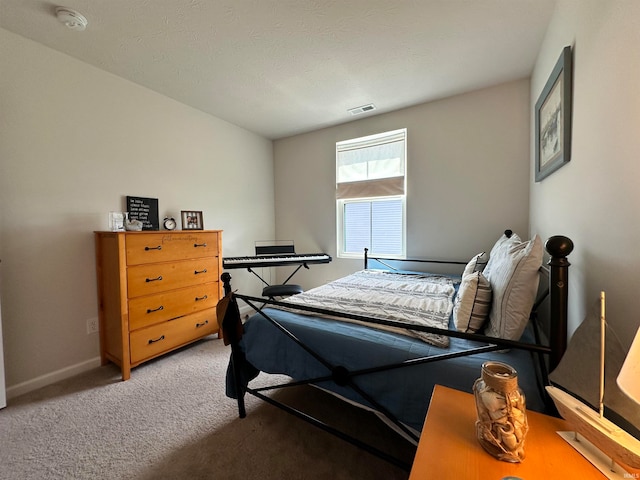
pixel 201 298
pixel 149 310
pixel 196 245
pixel 156 340
pixel 159 247
pixel 200 271
pixel 153 279
pixel 198 325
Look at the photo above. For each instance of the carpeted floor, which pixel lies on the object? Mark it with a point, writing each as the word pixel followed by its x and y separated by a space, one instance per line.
pixel 173 421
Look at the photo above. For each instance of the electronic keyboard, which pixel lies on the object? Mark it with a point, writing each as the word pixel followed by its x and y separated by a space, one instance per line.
pixel 275 260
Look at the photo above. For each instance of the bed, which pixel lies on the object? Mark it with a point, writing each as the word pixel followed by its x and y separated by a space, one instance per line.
pixel 335 337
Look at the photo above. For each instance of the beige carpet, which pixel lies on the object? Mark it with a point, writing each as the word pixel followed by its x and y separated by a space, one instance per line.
pixel 173 421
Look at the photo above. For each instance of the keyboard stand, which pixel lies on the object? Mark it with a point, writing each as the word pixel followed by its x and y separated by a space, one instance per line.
pixel 280 254
pixel 281 290
pixel 249 269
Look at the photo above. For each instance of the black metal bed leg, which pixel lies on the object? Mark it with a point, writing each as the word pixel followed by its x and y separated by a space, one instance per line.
pixel 232 335
pixel 240 391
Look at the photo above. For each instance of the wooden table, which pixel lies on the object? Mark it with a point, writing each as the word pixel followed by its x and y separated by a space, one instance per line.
pixel 448 447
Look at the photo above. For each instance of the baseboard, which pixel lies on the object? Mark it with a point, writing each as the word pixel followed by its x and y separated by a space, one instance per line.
pixel 49 378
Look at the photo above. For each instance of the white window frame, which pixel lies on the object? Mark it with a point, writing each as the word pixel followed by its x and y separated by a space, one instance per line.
pixel 341 202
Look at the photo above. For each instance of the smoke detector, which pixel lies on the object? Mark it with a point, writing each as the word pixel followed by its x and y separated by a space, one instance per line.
pixel 72 19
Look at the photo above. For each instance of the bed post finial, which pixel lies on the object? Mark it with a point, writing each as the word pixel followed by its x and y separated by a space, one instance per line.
pixel 559 247
pixel 366 257
pixel 508 233
pixel 226 281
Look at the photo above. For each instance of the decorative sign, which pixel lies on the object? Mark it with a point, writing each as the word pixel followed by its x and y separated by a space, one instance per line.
pixel 145 210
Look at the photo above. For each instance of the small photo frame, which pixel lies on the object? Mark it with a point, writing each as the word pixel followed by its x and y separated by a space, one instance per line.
pixel 116 221
pixel 553 118
pixel 191 220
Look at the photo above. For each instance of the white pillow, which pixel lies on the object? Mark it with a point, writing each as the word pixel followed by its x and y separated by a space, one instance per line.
pixel 502 244
pixel 472 266
pixel 514 279
pixel 473 302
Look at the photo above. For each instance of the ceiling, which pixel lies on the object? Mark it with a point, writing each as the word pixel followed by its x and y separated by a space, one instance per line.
pixel 283 67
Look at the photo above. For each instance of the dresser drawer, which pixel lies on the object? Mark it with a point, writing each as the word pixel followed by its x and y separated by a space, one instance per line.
pixel 152 309
pixel 164 247
pixel 159 277
pixel 151 341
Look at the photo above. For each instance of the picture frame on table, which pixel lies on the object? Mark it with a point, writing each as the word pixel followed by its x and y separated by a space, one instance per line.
pixel 192 220
pixel 116 221
pixel 553 112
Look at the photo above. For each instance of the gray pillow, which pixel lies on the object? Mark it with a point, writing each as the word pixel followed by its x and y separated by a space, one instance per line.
pixel 514 280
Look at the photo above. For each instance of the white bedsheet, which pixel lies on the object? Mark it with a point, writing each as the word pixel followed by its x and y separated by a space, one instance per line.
pixel 410 299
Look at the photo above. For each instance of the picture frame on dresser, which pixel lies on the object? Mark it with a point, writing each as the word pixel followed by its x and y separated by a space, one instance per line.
pixel 192 220
pixel 553 112
pixel 145 210
pixel 116 221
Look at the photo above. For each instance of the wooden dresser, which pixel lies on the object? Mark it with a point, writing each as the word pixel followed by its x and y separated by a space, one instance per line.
pixel 157 291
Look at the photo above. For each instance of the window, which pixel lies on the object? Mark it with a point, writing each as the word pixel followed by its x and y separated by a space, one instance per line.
pixel 370 194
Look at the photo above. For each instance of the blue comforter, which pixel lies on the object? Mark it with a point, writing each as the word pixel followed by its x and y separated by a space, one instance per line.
pixel 405 392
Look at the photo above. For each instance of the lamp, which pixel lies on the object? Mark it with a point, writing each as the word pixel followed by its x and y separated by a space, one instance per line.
pixel 629 377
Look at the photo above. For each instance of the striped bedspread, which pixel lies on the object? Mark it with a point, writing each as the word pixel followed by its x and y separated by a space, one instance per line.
pixel 411 299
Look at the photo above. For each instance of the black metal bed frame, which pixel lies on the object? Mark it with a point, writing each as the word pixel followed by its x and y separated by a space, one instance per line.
pixel 559 247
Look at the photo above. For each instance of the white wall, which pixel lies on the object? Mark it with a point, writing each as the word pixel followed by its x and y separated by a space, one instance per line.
pixel 468 177
pixel 595 198
pixel 74 141
pixel 3 392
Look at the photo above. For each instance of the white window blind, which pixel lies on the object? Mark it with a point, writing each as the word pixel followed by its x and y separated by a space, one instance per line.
pixel 376 225
pixel 371 166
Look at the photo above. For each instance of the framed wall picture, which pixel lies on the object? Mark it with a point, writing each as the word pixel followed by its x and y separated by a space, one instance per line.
pixel 553 118
pixel 192 220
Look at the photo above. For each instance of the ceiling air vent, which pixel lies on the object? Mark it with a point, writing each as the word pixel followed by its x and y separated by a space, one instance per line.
pixel 362 109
